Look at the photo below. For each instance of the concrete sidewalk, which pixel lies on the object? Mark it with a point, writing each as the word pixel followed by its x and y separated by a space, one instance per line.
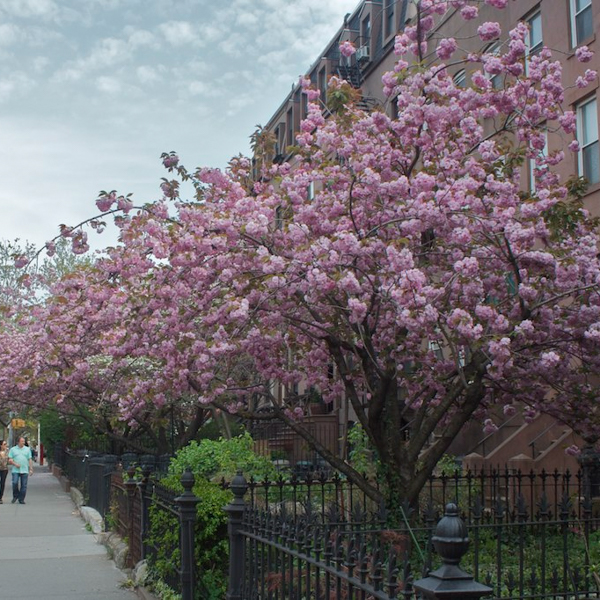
pixel 46 551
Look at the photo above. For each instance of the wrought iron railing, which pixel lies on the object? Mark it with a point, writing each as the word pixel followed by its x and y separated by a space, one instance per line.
pixel 533 535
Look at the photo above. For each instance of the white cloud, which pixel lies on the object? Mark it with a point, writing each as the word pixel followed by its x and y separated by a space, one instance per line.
pixel 107 53
pixel 180 33
pixel 29 8
pixel 68 74
pixel 40 63
pixel 195 66
pixel 41 36
pixel 198 88
pixel 206 89
pixel 210 32
pixel 16 84
pixel 9 34
pixel 237 103
pixel 143 76
pixel 147 74
pixel 247 19
pixel 233 46
pixel 108 85
pixel 111 4
pixel 140 37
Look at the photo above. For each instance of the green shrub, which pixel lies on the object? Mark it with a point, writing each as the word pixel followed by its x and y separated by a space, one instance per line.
pixel 211 544
pixel 210 461
pixel 221 459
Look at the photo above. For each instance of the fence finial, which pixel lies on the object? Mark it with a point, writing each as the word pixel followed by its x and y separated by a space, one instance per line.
pixel 187 480
pixel 238 486
pixel 450 581
pixel 451 540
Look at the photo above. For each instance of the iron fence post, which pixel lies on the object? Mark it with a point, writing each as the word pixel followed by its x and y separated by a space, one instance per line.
pixel 235 510
pixel 187 516
pixel 130 486
pixel 450 582
pixel 95 484
pixel 145 508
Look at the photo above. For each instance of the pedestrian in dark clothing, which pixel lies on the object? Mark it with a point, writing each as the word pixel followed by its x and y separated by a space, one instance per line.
pixel 3 467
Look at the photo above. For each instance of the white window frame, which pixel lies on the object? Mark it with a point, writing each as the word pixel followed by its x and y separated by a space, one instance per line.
pixel 436 348
pixel 586 129
pixel 496 79
pixel 390 18
pixel 365 31
pixel 460 79
pixel 279 217
pixel 544 153
pixel 574 14
pixel 540 44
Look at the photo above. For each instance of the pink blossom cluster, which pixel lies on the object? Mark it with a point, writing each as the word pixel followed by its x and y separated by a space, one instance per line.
pixel 347 48
pixel 418 273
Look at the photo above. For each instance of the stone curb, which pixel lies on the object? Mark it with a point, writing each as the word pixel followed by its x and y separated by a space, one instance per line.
pixel 114 544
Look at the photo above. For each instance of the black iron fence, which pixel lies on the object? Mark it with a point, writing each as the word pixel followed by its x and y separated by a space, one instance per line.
pixel 473 492
pixel 299 550
pixel 93 474
pixel 532 535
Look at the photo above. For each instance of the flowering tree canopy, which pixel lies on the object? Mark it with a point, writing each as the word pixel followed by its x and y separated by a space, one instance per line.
pixel 421 283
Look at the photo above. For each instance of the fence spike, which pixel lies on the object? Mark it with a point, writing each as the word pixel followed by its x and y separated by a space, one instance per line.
pixel 510 582
pixel 377 570
pixel 392 574
pixel 499 508
pixel 522 508
pixel 477 508
pixel 533 581
pixel 544 505
pixel 565 506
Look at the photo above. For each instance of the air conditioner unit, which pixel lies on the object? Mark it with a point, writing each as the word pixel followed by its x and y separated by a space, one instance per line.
pixel 362 54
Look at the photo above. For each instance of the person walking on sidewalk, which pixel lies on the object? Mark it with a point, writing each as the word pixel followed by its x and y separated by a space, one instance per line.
pixel 20 458
pixel 3 466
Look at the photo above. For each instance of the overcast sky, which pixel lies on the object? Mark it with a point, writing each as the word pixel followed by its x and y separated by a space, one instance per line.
pixel 93 91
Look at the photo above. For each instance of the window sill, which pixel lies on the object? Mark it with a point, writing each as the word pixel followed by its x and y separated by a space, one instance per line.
pixel 585 42
pixel 592 189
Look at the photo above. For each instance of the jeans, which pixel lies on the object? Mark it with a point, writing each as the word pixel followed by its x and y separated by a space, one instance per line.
pixel 3 475
pixel 19 494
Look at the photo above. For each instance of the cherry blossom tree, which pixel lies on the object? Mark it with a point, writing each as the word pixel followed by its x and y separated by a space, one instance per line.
pixel 423 284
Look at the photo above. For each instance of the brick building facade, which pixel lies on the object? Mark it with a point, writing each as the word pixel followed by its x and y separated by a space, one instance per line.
pixel 562 26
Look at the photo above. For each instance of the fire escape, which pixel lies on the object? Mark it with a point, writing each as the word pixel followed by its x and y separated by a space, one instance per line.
pixel 353 74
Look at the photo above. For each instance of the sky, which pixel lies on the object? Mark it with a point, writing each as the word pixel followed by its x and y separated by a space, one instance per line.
pixel 93 91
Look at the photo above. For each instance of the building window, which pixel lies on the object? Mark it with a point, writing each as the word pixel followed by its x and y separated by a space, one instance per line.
pixel 494 50
pixel 394 108
pixel 365 31
pixel 280 138
pixel 436 349
pixel 389 18
pixel 534 39
pixel 582 26
pixel 279 218
pixel 534 169
pixel 460 79
pixel 323 86
pixel 587 136
pixel 290 127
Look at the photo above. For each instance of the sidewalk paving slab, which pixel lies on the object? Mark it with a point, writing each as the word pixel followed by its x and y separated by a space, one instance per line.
pixel 46 551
